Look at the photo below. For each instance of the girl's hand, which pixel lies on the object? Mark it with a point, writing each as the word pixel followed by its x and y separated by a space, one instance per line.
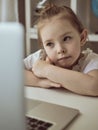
pixel 40 68
pixel 32 80
pixel 45 83
pixel 48 60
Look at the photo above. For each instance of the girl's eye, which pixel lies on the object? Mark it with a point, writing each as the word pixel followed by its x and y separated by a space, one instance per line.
pixel 50 44
pixel 67 38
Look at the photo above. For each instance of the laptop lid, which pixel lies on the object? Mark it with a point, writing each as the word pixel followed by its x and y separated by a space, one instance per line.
pixel 11 77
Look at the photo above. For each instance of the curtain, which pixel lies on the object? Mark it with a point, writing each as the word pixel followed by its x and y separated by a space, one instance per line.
pixel 8 10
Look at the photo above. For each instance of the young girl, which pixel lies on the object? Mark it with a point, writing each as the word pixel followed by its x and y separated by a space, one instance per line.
pixel 61 62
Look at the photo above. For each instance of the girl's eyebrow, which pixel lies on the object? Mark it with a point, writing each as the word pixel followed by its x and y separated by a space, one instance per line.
pixel 62 35
pixel 47 41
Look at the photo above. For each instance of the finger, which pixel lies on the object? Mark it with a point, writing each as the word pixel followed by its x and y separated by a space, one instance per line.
pixel 48 60
pixel 42 55
pixel 55 85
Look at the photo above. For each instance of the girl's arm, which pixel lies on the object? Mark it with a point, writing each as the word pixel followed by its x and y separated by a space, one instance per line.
pixel 32 80
pixel 85 84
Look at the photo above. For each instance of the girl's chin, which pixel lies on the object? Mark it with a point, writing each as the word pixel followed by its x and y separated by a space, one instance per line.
pixel 64 66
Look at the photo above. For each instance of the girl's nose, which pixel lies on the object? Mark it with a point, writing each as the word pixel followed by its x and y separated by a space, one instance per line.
pixel 61 49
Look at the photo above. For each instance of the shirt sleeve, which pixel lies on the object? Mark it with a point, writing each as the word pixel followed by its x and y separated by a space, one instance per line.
pixel 92 64
pixel 31 59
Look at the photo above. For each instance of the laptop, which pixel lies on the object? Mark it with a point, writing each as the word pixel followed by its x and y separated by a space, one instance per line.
pixel 42 115
pixel 16 111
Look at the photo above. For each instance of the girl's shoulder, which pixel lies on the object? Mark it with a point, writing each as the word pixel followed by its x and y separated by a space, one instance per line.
pixel 40 54
pixel 88 62
pixel 91 61
pixel 31 59
pixel 89 55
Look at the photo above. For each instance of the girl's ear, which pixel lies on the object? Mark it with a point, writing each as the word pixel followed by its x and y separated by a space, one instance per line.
pixel 83 37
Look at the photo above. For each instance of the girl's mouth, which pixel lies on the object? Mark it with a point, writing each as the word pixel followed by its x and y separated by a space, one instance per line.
pixel 64 58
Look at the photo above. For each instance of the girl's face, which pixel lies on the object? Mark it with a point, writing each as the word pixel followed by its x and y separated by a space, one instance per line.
pixel 61 41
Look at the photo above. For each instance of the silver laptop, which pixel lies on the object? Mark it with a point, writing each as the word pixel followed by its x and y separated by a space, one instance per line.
pixel 42 115
pixel 38 115
pixel 11 77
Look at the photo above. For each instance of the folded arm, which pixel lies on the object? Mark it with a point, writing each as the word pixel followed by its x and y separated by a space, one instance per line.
pixel 33 80
pixel 85 84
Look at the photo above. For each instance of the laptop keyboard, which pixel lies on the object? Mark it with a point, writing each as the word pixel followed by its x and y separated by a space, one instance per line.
pixel 36 124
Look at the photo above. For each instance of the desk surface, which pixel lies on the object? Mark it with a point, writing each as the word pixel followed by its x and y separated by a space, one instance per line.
pixel 88 106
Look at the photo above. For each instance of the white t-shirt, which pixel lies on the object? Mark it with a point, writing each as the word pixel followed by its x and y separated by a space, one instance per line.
pixel 85 64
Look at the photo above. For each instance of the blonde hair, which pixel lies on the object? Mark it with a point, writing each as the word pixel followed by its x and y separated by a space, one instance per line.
pixel 51 10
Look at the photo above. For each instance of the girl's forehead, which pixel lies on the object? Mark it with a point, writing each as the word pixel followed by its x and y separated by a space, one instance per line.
pixel 49 19
pixel 56 28
pixel 54 20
